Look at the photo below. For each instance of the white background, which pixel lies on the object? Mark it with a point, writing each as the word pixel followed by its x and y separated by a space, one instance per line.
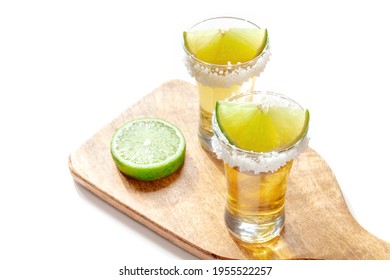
pixel 67 68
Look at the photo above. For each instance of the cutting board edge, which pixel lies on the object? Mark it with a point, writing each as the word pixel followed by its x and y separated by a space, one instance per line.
pixel 138 217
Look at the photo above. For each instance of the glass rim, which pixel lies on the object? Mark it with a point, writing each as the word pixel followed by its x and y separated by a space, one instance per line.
pixel 226 66
pixel 224 141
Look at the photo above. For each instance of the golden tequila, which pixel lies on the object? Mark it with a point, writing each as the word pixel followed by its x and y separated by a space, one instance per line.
pixel 256 195
pixel 257 199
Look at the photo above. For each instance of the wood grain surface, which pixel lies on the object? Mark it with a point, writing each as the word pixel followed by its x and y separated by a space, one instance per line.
pixel 187 207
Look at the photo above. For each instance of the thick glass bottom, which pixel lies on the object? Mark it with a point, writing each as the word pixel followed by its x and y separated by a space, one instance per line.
pixel 255 229
pixel 205 140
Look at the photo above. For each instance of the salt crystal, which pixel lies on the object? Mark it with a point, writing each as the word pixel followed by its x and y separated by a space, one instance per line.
pixel 232 76
pixel 256 162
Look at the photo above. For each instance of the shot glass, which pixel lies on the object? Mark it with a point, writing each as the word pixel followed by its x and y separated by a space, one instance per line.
pixel 219 81
pixel 256 181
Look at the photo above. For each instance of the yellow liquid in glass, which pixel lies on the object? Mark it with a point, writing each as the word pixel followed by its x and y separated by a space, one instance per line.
pixel 257 199
pixel 256 195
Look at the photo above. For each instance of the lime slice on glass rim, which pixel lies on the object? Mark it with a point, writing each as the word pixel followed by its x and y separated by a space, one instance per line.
pixel 148 149
pixel 259 128
pixel 222 47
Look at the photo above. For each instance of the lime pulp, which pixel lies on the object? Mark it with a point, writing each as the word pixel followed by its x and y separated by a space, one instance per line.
pixel 261 128
pixel 148 149
pixel 230 46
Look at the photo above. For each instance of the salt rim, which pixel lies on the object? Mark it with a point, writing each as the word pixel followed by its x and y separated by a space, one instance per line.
pixel 225 76
pixel 253 161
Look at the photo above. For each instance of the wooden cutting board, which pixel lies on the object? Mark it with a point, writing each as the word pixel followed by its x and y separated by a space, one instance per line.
pixel 187 207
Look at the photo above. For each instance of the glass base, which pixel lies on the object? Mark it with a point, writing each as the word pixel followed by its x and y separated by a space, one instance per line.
pixel 255 230
pixel 205 140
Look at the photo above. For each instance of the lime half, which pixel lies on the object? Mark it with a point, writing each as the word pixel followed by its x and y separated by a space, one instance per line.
pixel 226 46
pixel 261 127
pixel 148 149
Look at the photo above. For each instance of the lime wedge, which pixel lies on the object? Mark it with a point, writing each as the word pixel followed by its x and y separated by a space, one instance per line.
pixel 148 149
pixel 259 128
pixel 219 46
